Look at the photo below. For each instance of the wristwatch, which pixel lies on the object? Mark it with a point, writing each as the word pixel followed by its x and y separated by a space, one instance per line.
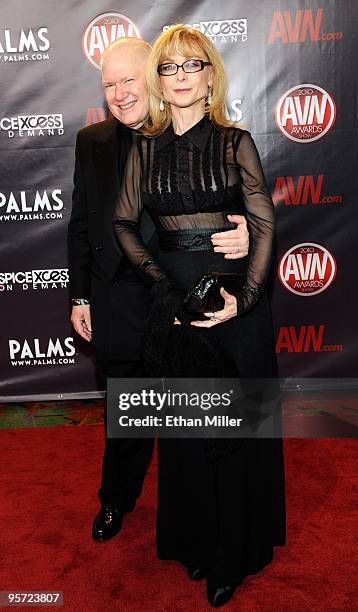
pixel 79 302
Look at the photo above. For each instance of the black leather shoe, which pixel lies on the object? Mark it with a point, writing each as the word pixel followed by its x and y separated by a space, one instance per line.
pixel 108 522
pixel 218 596
pixel 196 573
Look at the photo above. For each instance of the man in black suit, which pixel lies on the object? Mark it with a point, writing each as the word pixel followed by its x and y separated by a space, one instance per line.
pixel 108 299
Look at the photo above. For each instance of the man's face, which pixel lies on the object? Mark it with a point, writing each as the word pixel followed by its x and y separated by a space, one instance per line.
pixel 125 88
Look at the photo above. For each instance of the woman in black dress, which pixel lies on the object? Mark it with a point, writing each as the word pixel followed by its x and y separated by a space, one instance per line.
pixel 220 509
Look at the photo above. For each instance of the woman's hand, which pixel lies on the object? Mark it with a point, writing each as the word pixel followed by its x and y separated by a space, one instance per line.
pixel 228 312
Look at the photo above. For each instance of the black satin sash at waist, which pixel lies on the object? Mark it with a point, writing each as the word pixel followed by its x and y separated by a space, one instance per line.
pixel 188 240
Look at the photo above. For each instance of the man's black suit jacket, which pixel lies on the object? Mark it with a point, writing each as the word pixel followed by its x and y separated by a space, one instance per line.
pixel 94 256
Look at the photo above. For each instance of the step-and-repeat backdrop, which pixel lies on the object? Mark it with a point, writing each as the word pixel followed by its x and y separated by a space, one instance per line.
pixel 292 68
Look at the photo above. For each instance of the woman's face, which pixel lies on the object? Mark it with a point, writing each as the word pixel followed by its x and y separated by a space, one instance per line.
pixel 185 89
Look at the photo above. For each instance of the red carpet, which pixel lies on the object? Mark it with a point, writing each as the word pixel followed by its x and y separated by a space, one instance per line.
pixel 49 478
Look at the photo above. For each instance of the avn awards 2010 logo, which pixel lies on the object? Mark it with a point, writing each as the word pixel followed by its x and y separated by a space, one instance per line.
pixel 305 113
pixel 307 269
pixel 103 31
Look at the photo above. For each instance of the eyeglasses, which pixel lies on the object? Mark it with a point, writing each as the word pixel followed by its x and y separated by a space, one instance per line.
pixel 191 65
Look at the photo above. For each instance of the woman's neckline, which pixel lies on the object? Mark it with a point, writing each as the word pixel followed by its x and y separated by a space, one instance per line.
pixel 189 128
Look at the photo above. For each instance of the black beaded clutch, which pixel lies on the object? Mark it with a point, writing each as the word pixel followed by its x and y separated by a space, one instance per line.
pixel 204 295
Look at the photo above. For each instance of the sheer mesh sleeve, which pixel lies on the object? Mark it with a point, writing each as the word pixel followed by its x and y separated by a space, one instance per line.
pixel 260 220
pixel 126 222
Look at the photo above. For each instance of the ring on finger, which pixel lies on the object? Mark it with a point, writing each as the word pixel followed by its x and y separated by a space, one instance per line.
pixel 237 248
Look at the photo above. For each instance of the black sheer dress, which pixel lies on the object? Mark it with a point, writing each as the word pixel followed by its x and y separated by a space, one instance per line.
pixel 226 514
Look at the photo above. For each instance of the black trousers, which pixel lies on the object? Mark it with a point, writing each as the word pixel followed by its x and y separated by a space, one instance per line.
pixel 118 316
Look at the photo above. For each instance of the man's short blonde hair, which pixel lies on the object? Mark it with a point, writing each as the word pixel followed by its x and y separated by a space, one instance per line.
pixel 135 43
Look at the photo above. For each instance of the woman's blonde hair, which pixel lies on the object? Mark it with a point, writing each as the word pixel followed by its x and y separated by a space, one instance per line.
pixel 185 41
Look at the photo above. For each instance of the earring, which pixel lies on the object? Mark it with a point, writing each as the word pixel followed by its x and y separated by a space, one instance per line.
pixel 209 98
pixel 161 106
